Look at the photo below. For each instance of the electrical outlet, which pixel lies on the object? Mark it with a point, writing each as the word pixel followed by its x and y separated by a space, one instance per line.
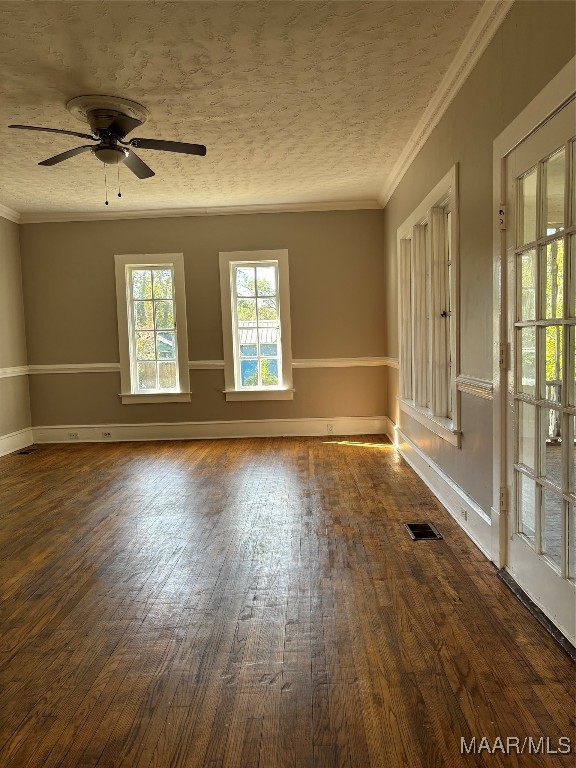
pixel 330 428
pixel 107 435
pixel 72 435
pixel 464 513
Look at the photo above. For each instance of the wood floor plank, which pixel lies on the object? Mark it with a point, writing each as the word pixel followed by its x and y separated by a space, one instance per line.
pixel 256 604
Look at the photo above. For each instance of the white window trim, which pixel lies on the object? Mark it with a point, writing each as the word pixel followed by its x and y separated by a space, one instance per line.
pixel 444 195
pixel 232 392
pixel 176 260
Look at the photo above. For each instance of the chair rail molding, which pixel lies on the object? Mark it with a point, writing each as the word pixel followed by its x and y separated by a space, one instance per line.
pixel 473 386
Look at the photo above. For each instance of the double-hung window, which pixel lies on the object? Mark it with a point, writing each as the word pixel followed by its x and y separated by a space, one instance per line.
pixel 256 325
pixel 428 253
pixel 152 328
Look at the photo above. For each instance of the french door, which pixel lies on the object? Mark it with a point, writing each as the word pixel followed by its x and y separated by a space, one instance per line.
pixel 541 404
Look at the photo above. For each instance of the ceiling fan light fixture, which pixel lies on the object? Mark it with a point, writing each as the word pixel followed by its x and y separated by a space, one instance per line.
pixel 110 155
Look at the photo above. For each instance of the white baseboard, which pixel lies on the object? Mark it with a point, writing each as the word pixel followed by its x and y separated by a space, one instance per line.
pixel 15 441
pixel 354 425
pixel 467 513
pixel 390 431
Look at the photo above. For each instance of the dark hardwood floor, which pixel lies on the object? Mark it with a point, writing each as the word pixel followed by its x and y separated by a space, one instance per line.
pixel 256 603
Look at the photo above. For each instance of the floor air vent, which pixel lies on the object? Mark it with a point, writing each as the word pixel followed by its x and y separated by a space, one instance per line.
pixel 26 451
pixel 420 531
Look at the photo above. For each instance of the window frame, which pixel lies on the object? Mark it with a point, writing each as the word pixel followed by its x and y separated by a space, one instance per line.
pixel 428 356
pixel 228 260
pixel 128 392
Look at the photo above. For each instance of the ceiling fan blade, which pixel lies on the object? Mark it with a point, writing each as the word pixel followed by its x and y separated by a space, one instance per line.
pixel 169 146
pixel 137 166
pixel 65 155
pixel 54 130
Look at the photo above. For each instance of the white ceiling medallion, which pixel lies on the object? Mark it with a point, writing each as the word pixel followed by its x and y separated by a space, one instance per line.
pixel 82 105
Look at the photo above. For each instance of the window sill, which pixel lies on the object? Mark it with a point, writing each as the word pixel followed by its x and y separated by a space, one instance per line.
pixel 444 428
pixel 258 394
pixel 154 397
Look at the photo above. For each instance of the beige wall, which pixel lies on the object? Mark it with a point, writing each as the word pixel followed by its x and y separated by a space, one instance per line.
pixel 535 41
pixel 336 295
pixel 14 400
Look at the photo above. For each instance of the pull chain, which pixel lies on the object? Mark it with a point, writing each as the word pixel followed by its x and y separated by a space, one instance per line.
pixel 105 186
pixel 118 167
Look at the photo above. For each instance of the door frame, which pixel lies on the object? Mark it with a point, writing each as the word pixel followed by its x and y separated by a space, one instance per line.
pixel 546 104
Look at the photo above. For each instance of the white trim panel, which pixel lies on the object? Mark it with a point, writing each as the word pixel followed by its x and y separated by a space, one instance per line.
pixel 491 16
pixel 467 513
pixel 14 441
pixel 198 430
pixel 170 213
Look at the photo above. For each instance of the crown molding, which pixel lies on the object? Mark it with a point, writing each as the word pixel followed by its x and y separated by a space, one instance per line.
pixel 165 213
pixel 8 213
pixel 489 19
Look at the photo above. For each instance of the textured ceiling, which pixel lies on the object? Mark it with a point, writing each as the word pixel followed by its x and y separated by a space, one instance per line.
pixel 296 101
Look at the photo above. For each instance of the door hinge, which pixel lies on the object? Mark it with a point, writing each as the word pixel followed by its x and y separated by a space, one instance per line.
pixel 502 218
pixel 504 355
pixel 503 499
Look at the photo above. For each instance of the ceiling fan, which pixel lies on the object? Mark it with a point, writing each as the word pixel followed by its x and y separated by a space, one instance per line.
pixel 110 119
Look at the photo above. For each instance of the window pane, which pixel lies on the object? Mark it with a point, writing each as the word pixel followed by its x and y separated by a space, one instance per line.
pixel 269 373
pixel 526 431
pixel 162 283
pixel 246 310
pixel 554 298
pixel 552 526
pixel 572 285
pixel 146 375
pixel 142 283
pixel 572 541
pixel 249 373
pixel 267 310
pixel 247 335
pixel 526 506
pixel 268 335
pixel 245 281
pixel 266 281
pixel 164 314
pixel 554 179
pixel 571 437
pixel 551 446
pixel 553 363
pixel 167 375
pixel 145 346
pixel 144 314
pixel 526 374
pixel 573 181
pixel 527 208
pixel 526 280
pixel 165 345
pixel 248 350
pixel 269 350
pixel 571 383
